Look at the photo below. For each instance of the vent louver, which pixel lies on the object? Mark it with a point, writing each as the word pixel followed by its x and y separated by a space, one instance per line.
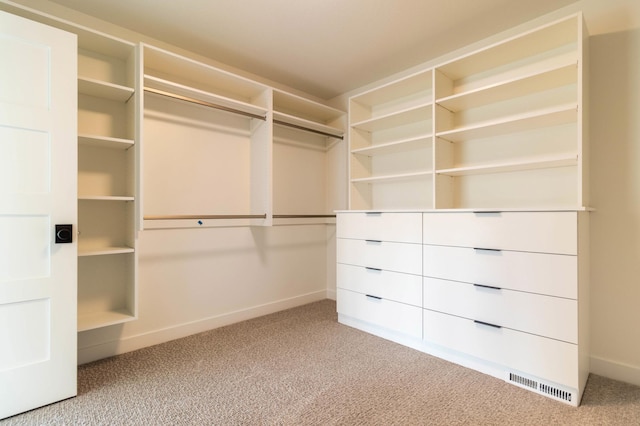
pixel 523 381
pixel 540 387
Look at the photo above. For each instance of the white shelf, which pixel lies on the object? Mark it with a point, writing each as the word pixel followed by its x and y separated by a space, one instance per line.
pixel 104 251
pixel 201 95
pixel 294 105
pixel 103 319
pixel 105 198
pixel 404 145
pixel 105 142
pixel 546 163
pixel 396 119
pixel 391 92
pixel 516 123
pixel 103 89
pixel 307 124
pixel 548 78
pixel 393 178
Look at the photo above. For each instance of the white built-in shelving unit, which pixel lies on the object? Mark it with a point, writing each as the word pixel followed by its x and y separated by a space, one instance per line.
pixel 107 172
pixel 501 127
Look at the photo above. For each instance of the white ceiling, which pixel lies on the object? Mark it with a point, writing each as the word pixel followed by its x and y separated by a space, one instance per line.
pixel 322 47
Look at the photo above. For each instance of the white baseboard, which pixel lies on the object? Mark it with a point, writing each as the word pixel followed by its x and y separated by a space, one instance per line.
pixel 615 370
pixel 132 343
pixel 332 294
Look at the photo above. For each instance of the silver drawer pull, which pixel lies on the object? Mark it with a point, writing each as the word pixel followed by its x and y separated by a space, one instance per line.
pixel 374 241
pixel 373 297
pixel 487 286
pixel 488 324
pixel 373 213
pixel 486 249
pixel 369 268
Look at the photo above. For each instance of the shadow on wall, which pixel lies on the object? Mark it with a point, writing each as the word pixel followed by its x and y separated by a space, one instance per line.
pixel 615 194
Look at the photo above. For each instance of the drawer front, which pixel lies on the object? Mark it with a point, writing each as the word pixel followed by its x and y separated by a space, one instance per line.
pixel 398 227
pixel 546 358
pixel 547 316
pixel 394 316
pixel 543 232
pixel 551 274
pixel 397 257
pixel 405 288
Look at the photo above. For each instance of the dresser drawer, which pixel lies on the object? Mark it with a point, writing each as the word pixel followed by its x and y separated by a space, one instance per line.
pixel 394 316
pixel 398 257
pixel 547 316
pixel 544 232
pixel 399 287
pixel 398 227
pixel 551 274
pixel 542 357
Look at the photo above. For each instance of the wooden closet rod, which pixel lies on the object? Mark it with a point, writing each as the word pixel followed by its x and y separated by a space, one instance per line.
pixel 207 216
pixel 203 103
pixel 301 216
pixel 236 216
pixel 306 129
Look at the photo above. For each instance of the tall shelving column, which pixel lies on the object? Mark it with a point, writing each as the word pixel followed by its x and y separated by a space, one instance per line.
pixel 186 103
pixel 391 139
pixel 107 175
pixel 509 123
pixel 304 134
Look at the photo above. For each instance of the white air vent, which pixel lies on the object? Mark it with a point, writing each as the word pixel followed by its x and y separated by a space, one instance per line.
pixel 540 387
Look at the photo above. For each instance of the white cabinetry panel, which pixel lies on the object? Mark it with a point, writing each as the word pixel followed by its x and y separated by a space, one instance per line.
pixel 398 317
pixel 554 317
pixel 544 232
pixel 404 288
pixel 551 274
pixel 398 257
pixel 542 357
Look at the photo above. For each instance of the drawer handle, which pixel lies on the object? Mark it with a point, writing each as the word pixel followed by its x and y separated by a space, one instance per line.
pixel 487 286
pixel 373 297
pixel 373 213
pixel 374 241
pixel 487 212
pixel 373 269
pixel 488 324
pixel 486 249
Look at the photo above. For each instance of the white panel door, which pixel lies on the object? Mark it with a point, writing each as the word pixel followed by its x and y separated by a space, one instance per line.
pixel 38 189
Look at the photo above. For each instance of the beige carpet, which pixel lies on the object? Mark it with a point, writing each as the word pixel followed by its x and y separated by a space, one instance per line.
pixel 300 367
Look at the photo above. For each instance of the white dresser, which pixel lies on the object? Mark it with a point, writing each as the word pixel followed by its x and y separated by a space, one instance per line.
pixel 505 293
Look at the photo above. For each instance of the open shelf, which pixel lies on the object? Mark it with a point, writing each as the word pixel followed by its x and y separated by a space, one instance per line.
pixel 392 178
pixel 403 145
pixel 537 81
pixel 104 251
pixel 396 119
pixel 103 89
pixel 174 88
pixel 103 319
pixel 105 142
pixel 511 166
pixel 547 117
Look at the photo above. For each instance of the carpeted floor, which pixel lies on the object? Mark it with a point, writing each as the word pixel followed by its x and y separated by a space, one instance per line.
pixel 300 367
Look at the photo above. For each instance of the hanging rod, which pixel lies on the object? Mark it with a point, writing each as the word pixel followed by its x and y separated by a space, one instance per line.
pixel 207 216
pixel 203 103
pixel 306 129
pixel 301 216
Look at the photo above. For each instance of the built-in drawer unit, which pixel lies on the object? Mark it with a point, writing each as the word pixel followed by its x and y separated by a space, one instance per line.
pixel 549 316
pixel 379 271
pixel 393 316
pixel 542 232
pixel 544 358
pixel 542 273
